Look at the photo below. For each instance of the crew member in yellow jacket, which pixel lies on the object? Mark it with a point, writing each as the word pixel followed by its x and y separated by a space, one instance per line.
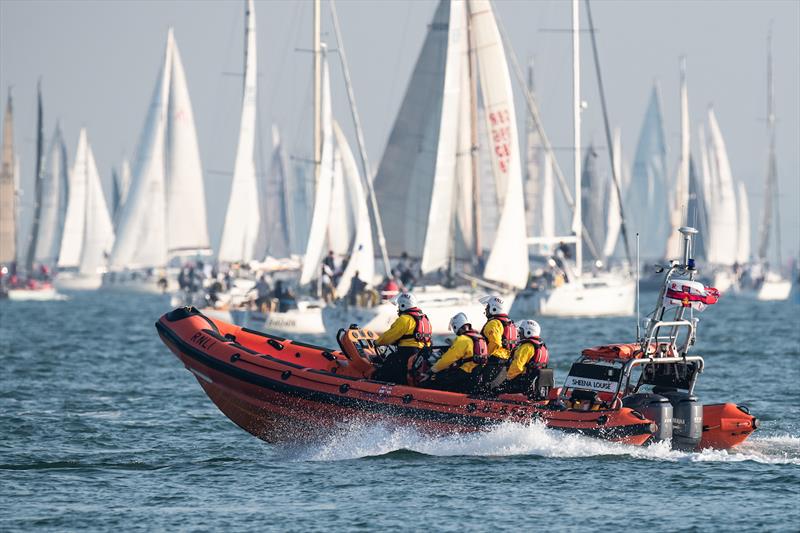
pixel 528 358
pixel 458 369
pixel 501 336
pixel 410 333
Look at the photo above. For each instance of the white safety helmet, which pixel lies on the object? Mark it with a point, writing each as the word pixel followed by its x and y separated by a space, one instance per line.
pixel 529 329
pixel 494 305
pixel 458 321
pixel 405 301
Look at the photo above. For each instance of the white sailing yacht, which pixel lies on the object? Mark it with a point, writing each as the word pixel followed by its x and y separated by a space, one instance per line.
pixel 579 293
pixel 88 229
pixel 164 216
pixel 764 281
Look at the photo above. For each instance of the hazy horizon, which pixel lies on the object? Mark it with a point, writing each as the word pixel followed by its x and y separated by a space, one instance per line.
pixel 98 63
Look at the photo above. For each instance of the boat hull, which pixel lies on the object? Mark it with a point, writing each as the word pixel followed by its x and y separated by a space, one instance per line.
pixel 578 300
pixel 40 295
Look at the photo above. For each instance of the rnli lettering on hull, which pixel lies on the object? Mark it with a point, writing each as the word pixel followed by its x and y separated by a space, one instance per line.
pixel 203 341
pixel 599 385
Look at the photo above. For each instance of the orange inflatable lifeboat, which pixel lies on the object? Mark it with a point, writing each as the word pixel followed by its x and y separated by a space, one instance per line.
pixel 284 390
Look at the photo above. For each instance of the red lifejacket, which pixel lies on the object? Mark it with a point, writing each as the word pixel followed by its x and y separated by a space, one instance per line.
pixel 540 354
pixel 480 349
pixel 423 331
pixel 510 334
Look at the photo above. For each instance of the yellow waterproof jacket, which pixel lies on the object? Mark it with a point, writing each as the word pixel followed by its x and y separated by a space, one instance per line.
pixel 404 325
pixel 520 358
pixel 493 331
pixel 461 349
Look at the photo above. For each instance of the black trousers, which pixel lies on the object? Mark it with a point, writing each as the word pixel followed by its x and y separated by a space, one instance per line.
pixel 454 380
pixel 395 368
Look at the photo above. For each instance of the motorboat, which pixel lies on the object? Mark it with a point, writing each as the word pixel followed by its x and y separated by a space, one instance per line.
pixel 282 390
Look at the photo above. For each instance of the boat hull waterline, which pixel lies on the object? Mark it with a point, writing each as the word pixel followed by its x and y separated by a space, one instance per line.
pixel 286 391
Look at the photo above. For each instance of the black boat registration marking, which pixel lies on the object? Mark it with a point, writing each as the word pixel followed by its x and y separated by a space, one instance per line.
pixel 203 341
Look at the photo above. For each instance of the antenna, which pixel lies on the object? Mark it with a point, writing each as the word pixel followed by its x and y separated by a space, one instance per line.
pixel 638 318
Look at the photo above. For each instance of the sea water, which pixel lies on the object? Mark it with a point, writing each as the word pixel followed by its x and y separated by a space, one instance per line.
pixel 102 428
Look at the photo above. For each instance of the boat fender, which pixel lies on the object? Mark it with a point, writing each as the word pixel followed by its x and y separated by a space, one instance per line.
pixel 235 357
pixel 286 375
pixel 275 344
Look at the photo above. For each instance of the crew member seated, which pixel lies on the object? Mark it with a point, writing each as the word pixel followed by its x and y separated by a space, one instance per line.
pixel 501 336
pixel 527 359
pixel 458 369
pixel 410 332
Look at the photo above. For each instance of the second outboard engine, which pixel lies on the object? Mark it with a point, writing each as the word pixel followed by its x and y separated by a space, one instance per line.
pixel 687 420
pixel 655 407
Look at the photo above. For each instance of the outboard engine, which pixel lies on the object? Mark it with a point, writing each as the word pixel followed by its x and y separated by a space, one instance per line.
pixel 687 420
pixel 541 387
pixel 655 407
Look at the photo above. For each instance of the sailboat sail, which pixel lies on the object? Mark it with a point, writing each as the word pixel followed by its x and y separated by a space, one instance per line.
pixel 681 188
pixel 277 236
pixel 361 253
pixel 53 202
pixel 72 237
pixel 242 220
pixel 613 219
pixel 743 237
pixel 594 199
pixel 696 213
pixel 98 230
pixel 724 221
pixel 38 187
pixel 141 239
pixel 647 195
pixel 8 191
pixel 187 226
pixel 508 260
pixel 403 184
pixel 322 200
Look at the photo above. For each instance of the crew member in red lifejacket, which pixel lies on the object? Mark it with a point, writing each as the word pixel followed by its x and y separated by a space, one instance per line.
pixel 458 370
pixel 410 332
pixel 501 336
pixel 527 359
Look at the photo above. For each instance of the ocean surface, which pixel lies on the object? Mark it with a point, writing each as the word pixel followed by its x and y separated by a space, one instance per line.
pixel 101 428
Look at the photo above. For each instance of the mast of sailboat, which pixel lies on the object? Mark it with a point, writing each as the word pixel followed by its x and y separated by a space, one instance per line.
pixel 577 222
pixel 771 186
pixel 37 208
pixel 474 143
pixel 362 149
pixel 317 67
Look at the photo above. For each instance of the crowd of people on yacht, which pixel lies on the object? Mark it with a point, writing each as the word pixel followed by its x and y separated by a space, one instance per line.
pixel 12 278
pixel 503 357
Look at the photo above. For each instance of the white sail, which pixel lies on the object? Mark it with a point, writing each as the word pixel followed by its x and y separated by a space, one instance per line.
pixel 141 236
pixel 315 248
pixel 403 183
pixel 743 235
pixel 98 231
pixel 8 191
pixel 724 226
pixel 51 220
pixel 361 253
pixel 242 220
pixel 465 245
pixel 508 259
pixel 72 236
pixel 680 193
pixel 646 200
pixel 437 249
pixel 277 236
pixel 614 220
pixel 341 220
pixel 187 226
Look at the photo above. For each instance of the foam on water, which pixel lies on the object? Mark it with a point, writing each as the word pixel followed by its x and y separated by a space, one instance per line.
pixel 535 439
